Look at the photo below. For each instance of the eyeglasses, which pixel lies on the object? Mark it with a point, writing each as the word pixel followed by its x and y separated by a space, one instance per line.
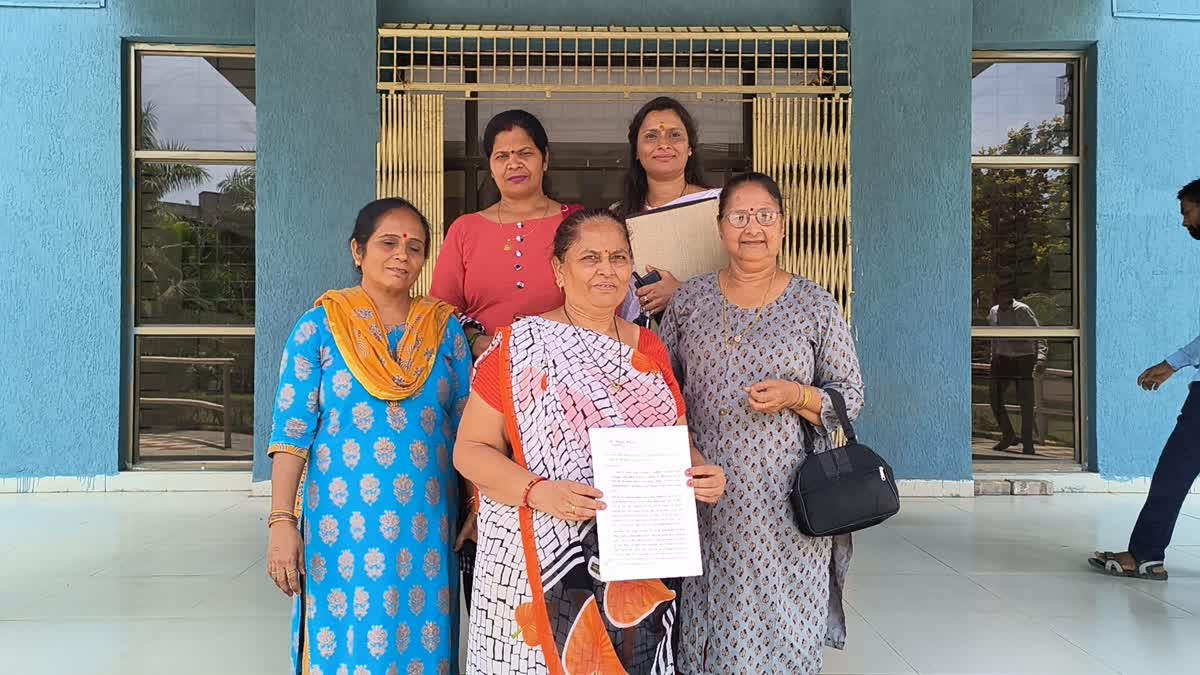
pixel 740 219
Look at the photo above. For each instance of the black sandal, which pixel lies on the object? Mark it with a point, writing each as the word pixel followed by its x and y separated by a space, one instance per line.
pixel 1109 563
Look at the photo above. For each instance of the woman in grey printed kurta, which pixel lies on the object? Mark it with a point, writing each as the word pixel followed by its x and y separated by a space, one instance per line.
pixel 753 347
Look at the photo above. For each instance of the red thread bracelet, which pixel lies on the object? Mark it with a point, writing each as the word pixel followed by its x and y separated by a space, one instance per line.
pixel 525 496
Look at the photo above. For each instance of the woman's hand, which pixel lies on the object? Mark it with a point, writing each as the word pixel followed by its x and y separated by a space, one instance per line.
pixel 480 344
pixel 772 396
pixel 469 532
pixel 654 298
pixel 708 481
pixel 566 499
pixel 285 557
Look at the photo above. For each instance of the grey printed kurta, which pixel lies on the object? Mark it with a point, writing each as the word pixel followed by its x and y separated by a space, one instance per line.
pixel 770 597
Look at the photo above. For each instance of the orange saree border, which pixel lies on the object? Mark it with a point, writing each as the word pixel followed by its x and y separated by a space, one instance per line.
pixel 533 565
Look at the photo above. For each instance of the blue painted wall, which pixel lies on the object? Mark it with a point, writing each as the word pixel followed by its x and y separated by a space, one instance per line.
pixel 912 240
pixel 61 221
pixel 61 176
pixel 318 121
pixel 1143 274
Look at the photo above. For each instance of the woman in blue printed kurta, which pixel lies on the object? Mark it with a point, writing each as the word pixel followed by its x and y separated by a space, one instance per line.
pixel 378 586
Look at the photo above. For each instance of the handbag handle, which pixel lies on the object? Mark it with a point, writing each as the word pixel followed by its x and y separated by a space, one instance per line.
pixel 839 407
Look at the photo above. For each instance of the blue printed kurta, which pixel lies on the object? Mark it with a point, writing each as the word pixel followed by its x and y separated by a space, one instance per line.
pixel 380 500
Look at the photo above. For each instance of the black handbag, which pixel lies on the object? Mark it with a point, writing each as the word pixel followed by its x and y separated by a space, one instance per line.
pixel 846 489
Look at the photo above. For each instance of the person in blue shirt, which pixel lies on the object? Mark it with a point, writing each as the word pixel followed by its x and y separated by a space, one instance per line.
pixel 1179 464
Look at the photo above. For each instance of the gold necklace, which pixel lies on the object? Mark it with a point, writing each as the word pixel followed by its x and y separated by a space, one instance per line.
pixel 508 244
pixel 615 386
pixel 520 223
pixel 737 338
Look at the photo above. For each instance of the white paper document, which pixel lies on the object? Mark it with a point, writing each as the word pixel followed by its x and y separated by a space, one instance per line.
pixel 648 530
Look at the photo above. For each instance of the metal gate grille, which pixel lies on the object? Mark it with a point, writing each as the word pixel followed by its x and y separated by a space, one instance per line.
pixel 795 79
pixel 409 163
pixel 804 143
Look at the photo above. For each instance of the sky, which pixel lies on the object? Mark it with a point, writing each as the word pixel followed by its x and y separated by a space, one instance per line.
pixel 1006 96
pixel 197 107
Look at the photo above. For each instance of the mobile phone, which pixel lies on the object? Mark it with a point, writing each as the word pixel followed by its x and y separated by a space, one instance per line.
pixel 651 278
pixel 639 281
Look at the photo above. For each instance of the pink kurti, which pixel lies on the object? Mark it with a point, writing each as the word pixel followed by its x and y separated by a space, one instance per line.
pixel 495 273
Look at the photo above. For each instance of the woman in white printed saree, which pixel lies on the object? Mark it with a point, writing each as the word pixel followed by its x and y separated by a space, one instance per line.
pixel 538 605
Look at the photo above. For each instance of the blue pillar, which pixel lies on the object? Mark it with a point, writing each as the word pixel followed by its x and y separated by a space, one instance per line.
pixel 912 230
pixel 318 123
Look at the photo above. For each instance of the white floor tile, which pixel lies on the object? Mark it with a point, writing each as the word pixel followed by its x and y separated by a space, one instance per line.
pixel 230 646
pixel 1075 595
pixel 141 583
pixel 973 557
pixel 186 559
pixel 884 593
pixel 1133 645
pixel 123 598
pixel 961 643
pixel 881 551
pixel 866 653
pixel 15 598
pixel 58 647
pixel 252 594
pixel 1178 591
pixel 66 554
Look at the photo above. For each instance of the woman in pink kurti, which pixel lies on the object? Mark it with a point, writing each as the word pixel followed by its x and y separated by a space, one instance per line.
pixel 495 264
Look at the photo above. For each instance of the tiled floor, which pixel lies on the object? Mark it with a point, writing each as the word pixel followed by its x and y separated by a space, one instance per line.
pixel 173 583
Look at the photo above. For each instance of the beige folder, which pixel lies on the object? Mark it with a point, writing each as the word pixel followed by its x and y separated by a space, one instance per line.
pixel 682 239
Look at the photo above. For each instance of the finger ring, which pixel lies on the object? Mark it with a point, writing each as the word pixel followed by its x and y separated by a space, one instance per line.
pixel 290 572
pixel 572 509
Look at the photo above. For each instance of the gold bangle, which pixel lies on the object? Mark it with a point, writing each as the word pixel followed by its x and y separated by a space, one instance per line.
pixel 803 397
pixel 281 516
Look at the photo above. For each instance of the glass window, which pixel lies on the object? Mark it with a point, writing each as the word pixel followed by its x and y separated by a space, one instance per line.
pixel 1023 108
pixel 192 117
pixel 196 103
pixel 195 234
pixel 195 398
pixel 1025 237
pixel 1022 242
pixel 1023 399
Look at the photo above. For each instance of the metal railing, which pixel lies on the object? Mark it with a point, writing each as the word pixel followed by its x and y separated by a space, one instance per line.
pixel 223 408
pixel 1041 412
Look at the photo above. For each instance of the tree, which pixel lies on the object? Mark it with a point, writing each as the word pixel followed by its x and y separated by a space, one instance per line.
pixel 1021 224
pixel 194 259
pixel 159 179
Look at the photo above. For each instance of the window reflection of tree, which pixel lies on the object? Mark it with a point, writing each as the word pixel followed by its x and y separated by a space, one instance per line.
pixel 196 262
pixel 1022 223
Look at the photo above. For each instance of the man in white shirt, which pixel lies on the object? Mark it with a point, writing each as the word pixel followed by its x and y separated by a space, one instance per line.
pixel 1179 463
pixel 1014 361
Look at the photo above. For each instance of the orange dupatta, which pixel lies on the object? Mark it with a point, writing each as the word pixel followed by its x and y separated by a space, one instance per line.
pixel 360 335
